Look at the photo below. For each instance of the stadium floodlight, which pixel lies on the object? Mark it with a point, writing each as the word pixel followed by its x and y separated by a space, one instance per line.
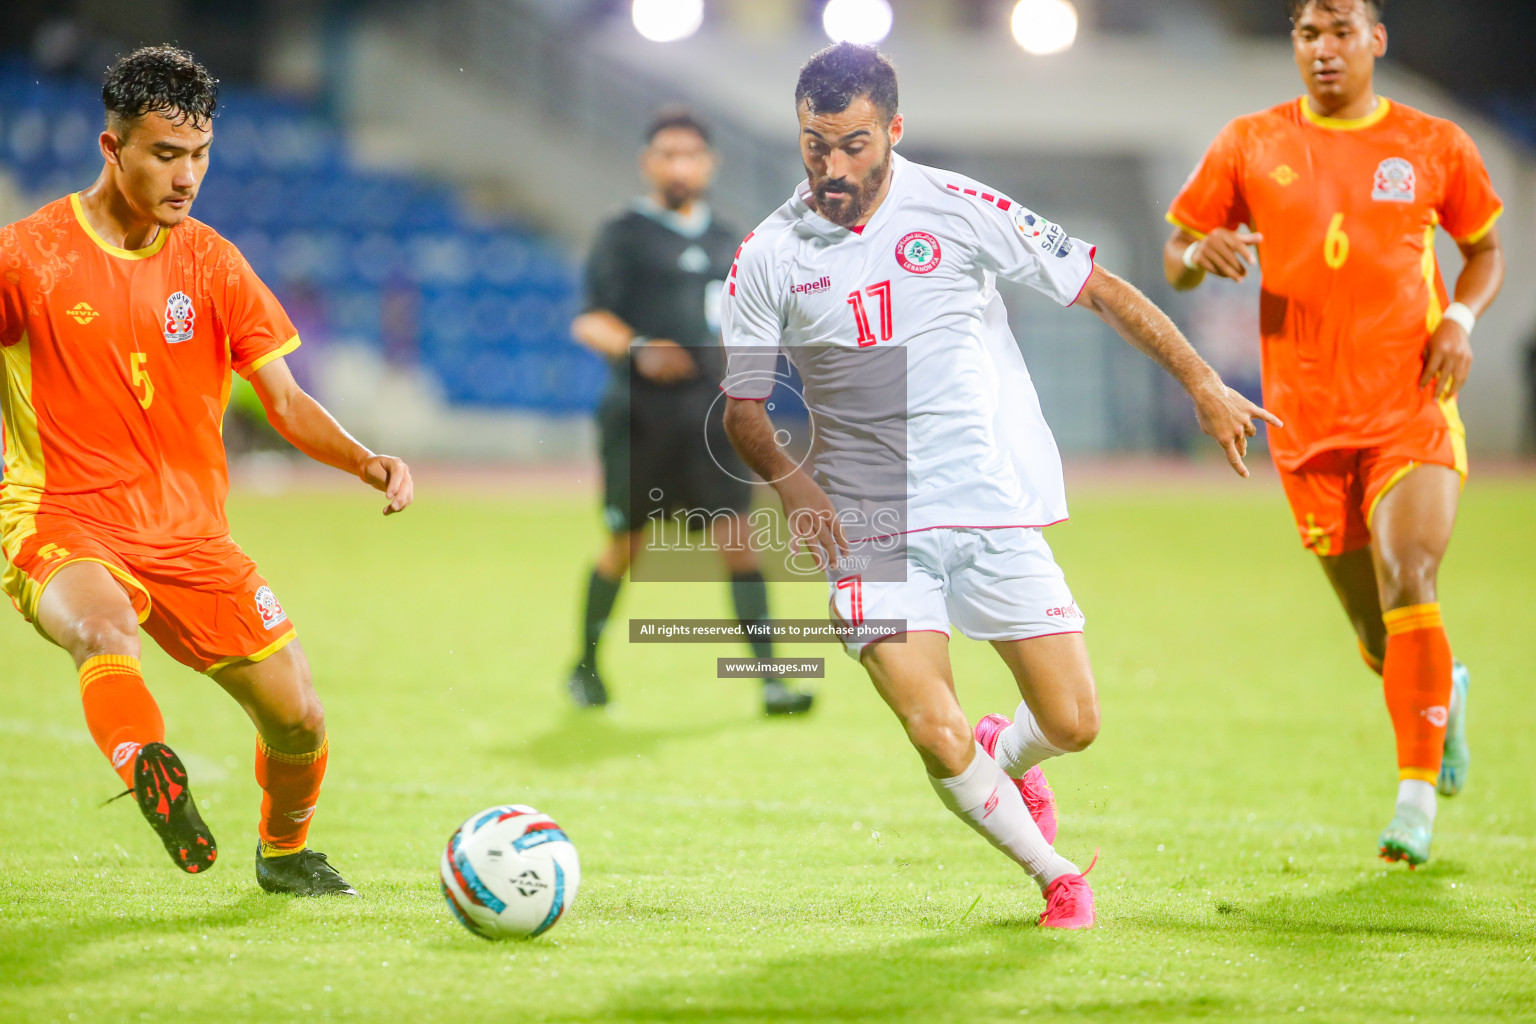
pixel 667 21
pixel 857 21
pixel 1045 26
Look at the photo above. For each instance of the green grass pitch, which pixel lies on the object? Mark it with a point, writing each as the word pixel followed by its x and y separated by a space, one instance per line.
pixel 740 869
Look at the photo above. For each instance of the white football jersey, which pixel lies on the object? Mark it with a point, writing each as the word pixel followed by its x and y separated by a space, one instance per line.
pixel 916 387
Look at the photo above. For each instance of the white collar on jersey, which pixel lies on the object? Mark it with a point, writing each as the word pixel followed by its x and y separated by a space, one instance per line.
pixel 815 224
pixel 692 226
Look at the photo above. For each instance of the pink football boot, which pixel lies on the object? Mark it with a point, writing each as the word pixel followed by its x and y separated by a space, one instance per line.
pixel 1069 902
pixel 1032 787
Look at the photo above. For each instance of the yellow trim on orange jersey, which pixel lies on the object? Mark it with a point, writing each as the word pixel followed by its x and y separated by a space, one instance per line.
pixel 31 592
pixel 1482 232
pixel 261 655
pixel 1346 124
pixel 25 473
pixel 1431 271
pixel 162 235
pixel 1392 481
pixel 288 346
pixel 1171 219
pixel 1452 415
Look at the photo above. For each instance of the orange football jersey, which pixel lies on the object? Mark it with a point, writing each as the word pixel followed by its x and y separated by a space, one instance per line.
pixel 1351 290
pixel 117 370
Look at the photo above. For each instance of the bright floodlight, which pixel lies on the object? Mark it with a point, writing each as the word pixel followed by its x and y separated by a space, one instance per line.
pixel 667 21
pixel 1045 26
pixel 857 21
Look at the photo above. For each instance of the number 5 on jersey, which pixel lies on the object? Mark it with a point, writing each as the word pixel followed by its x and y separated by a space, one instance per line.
pixel 882 293
pixel 139 376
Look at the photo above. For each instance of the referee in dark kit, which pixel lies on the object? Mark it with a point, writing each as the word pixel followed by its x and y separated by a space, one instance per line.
pixel 654 281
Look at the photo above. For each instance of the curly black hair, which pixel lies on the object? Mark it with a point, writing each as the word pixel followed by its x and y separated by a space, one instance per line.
pixel 841 73
pixel 1375 8
pixel 159 80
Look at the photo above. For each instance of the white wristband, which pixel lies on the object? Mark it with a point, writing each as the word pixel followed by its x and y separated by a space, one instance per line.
pixel 1459 312
pixel 1189 256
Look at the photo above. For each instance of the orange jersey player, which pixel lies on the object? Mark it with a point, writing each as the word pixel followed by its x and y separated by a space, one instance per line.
pixel 1342 191
pixel 121 319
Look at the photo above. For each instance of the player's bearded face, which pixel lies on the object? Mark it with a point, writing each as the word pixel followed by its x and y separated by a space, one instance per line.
pixel 160 167
pixel 847 158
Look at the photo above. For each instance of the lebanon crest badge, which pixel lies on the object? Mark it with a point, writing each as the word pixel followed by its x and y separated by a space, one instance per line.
pixel 1394 181
pixel 919 253
pixel 179 317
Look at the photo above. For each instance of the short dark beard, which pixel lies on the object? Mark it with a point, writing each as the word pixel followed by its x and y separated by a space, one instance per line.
pixel 675 199
pixel 860 196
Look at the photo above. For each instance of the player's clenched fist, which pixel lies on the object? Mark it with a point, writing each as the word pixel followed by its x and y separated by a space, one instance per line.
pixel 392 476
pixel 1225 253
pixel 1228 417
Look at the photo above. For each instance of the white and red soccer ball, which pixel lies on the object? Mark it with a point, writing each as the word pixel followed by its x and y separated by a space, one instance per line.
pixel 509 872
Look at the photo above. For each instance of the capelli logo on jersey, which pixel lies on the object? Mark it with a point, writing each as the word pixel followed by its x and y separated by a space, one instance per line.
pixel 1069 611
pixel 1394 181
pixel 179 317
pixel 822 284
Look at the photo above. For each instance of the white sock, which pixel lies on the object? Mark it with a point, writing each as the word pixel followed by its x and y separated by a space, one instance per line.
pixel 1022 745
pixel 985 798
pixel 1417 793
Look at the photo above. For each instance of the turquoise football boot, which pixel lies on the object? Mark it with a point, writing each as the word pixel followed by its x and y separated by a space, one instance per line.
pixel 1407 837
pixel 1458 755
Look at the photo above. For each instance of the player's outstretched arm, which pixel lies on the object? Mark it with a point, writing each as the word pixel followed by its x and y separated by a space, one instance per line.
pixel 306 425
pixel 812 519
pixel 1223 252
pixel 1223 413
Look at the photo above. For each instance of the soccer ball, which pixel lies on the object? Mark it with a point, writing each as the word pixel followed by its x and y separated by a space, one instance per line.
pixel 509 872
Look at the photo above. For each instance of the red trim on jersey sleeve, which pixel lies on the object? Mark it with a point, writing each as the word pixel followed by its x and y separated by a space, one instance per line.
pixel 1092 251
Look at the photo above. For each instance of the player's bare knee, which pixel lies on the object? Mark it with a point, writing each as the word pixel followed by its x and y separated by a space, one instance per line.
pixel 1409 580
pixel 105 632
pixel 945 740
pixel 1075 734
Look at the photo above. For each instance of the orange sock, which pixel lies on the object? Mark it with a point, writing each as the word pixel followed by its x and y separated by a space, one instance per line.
pixel 1369 659
pixel 119 710
pixel 1417 680
pixel 290 785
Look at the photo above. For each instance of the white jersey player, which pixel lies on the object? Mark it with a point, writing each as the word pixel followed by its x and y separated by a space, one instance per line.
pixel 933 471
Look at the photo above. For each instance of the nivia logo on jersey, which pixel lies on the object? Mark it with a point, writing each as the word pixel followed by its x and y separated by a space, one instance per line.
pixel 1048 236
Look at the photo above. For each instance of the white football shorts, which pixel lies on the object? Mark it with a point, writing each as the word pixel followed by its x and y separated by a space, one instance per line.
pixel 999 583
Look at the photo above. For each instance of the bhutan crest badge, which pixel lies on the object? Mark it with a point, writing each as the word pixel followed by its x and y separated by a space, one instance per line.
pixel 179 317
pixel 1394 181
pixel 272 614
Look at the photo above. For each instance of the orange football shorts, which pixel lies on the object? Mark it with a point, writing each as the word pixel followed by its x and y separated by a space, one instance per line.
pixel 1334 494
pixel 202 601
